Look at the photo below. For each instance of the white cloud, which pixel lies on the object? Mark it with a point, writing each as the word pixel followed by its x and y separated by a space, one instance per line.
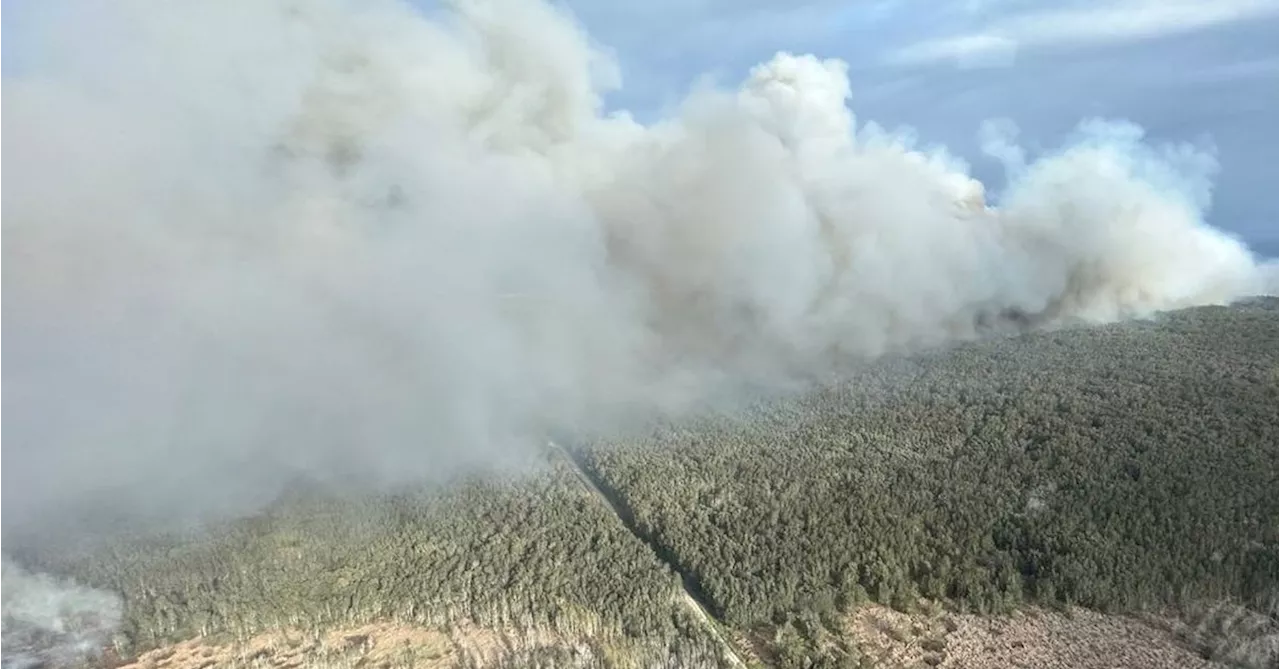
pixel 972 50
pixel 998 41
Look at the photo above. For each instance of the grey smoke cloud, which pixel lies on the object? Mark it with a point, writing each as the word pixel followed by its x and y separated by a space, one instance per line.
pixel 50 620
pixel 1191 78
pixel 248 242
pixel 252 242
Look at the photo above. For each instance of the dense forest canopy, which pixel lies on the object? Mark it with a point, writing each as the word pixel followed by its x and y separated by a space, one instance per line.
pixel 1125 468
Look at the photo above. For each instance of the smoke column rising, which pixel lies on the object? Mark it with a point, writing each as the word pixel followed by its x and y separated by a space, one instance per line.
pixel 47 620
pixel 248 241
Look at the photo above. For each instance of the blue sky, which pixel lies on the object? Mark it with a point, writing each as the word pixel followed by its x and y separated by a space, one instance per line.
pixel 1183 69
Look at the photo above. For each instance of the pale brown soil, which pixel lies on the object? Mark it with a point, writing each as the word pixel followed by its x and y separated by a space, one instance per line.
pixel 375 646
pixel 1034 639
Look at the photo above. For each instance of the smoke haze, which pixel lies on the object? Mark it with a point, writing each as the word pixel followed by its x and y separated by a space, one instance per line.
pixel 48 620
pixel 250 241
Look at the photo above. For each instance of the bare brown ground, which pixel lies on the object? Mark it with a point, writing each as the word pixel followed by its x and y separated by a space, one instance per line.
pixel 1034 638
pixel 375 646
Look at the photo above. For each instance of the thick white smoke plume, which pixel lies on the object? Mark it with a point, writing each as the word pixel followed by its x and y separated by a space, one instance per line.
pixel 53 622
pixel 247 241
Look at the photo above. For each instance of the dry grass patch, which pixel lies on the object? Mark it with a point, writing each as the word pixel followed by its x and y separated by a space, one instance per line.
pixel 386 645
pixel 374 646
pixel 1079 639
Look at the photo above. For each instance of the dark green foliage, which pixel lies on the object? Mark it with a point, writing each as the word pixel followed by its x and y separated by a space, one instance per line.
pixel 1119 467
pixel 536 554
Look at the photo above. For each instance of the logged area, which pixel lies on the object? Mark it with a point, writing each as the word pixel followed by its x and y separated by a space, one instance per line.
pixel 980 506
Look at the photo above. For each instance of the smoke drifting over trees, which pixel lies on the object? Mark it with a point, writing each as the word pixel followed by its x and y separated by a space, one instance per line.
pixel 53 620
pixel 248 242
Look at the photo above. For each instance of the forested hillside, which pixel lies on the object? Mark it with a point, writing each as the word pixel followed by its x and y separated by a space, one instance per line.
pixel 1129 468
pixel 1124 468
pixel 536 562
